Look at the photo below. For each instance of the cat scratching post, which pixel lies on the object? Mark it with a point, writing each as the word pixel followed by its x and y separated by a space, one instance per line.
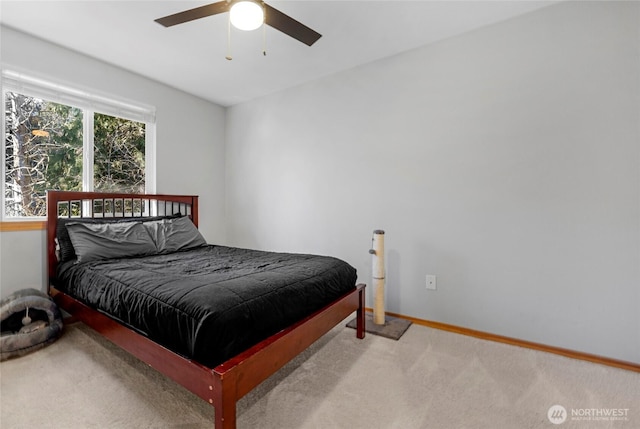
pixel 378 323
pixel 378 276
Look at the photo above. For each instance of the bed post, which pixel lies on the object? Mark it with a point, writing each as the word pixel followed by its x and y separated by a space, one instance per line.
pixel 360 315
pixel 224 400
pixel 52 218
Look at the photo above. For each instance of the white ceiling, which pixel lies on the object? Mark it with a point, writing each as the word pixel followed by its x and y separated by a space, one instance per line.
pixel 191 56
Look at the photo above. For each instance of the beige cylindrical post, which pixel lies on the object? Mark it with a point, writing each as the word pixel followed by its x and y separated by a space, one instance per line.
pixel 378 276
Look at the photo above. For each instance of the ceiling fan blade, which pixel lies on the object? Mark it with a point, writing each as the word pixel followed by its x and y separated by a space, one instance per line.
pixel 290 26
pixel 193 14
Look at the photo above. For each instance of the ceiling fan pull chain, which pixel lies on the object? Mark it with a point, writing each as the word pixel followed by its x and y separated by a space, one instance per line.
pixel 229 57
pixel 264 40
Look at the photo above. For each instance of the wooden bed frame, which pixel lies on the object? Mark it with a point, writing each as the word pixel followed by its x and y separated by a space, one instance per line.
pixel 225 384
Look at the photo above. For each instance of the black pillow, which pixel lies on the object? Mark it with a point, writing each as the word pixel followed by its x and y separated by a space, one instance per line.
pixel 96 241
pixel 171 235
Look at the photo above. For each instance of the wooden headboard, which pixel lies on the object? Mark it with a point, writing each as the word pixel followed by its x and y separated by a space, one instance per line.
pixel 105 205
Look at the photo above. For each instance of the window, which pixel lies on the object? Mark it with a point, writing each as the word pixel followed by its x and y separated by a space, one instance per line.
pixel 61 138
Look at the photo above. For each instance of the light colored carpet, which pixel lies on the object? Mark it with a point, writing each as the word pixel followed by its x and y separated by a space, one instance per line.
pixel 427 379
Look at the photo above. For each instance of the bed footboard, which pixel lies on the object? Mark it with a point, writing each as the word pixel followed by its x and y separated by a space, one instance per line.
pixel 225 384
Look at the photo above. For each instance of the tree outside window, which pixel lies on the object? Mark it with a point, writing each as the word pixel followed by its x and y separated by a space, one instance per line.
pixel 44 145
pixel 118 155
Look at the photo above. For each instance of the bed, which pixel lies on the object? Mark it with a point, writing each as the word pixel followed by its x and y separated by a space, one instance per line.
pixel 217 320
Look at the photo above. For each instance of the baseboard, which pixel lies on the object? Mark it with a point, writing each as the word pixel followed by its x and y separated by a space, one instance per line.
pixel 629 366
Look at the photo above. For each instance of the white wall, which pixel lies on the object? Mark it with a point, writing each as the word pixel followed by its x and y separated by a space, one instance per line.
pixel 189 144
pixel 505 161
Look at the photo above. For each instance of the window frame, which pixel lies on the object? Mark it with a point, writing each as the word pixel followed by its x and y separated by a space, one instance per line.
pixel 90 102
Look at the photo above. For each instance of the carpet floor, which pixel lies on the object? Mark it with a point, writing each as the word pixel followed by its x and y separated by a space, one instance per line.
pixel 427 379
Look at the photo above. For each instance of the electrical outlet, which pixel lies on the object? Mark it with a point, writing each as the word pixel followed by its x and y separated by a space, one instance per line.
pixel 431 282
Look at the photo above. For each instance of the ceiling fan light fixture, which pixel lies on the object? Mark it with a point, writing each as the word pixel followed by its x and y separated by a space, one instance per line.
pixel 246 15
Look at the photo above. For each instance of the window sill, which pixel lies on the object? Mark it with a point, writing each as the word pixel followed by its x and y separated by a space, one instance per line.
pixel 28 225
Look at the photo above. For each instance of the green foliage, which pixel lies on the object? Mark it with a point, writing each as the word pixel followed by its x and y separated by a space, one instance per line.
pixel 118 163
pixel 43 150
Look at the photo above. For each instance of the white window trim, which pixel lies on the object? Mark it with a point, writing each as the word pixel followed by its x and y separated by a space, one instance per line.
pixel 87 155
pixel 90 102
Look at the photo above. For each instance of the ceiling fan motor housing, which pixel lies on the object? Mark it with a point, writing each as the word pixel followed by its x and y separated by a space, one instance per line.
pixel 246 15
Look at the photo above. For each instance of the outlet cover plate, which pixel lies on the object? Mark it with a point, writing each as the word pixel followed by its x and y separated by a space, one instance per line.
pixel 431 282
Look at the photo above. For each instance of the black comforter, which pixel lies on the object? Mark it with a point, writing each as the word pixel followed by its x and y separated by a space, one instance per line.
pixel 209 303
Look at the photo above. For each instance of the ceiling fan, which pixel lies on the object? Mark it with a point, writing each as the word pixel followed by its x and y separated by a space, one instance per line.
pixel 247 15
